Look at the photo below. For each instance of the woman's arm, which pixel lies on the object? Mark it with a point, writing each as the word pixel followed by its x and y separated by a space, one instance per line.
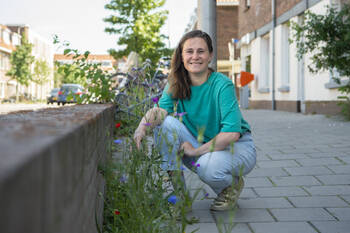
pixel 152 118
pixel 220 142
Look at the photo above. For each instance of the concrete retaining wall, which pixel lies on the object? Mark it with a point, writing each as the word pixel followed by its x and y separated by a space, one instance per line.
pixel 49 177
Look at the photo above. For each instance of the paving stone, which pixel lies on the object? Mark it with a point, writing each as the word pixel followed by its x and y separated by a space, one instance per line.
pixel 260 172
pixel 244 215
pixel 277 163
pixel 301 214
pixel 204 216
pixel 257 182
pixel 282 227
pixel 327 190
pixel 318 201
pixel 261 157
pixel 266 202
pixel 294 180
pixel 332 226
pixel 334 179
pixel 202 204
pixel 202 228
pixel 247 193
pixel 346 159
pixel 289 156
pixel 346 198
pixel 300 150
pixel 341 169
pixel 319 162
pixel 325 154
pixel 299 171
pixel 340 213
pixel 280 192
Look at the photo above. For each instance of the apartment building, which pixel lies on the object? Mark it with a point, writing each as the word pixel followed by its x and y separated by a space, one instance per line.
pixel 8 42
pixel 282 82
pixel 228 54
pixel 107 62
pixel 42 50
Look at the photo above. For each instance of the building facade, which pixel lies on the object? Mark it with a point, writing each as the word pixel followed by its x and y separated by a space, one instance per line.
pixel 42 50
pixel 282 82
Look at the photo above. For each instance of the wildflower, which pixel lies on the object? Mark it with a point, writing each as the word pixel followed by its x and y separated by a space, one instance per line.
pixel 118 141
pixel 155 99
pixel 172 199
pixel 123 179
pixel 182 168
pixel 193 163
pixel 116 212
pixel 147 124
pixel 180 114
pixel 118 125
pixel 198 165
pixel 206 195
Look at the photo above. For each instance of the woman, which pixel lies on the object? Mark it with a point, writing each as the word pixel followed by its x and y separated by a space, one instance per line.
pixel 211 122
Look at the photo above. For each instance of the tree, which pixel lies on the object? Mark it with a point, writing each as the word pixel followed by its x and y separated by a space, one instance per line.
pixel 21 61
pixel 138 24
pixel 41 74
pixel 327 38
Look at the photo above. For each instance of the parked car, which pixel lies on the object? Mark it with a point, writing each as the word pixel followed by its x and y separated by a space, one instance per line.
pixel 53 96
pixel 67 90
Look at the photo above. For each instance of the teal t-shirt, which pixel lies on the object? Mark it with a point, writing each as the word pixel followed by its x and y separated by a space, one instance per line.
pixel 213 107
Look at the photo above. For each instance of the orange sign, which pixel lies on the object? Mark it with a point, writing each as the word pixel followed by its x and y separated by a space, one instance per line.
pixel 245 78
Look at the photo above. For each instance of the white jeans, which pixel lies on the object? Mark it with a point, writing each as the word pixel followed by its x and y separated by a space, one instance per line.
pixel 218 168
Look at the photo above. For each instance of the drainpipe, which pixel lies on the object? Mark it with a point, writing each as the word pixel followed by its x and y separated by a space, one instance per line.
pixel 273 15
pixel 207 23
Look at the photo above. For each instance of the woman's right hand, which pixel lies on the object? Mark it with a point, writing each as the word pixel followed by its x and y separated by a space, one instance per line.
pixel 140 132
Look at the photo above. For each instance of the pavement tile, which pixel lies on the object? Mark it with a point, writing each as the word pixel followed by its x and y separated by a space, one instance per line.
pixel 346 198
pixel 260 172
pixel 341 169
pixel 334 179
pixel 294 180
pixel 202 228
pixel 204 216
pixel 318 201
pixel 346 159
pixel 261 157
pixel 244 215
pixel 277 163
pixel 250 182
pixel 300 171
pixel 280 192
pixel 332 226
pixel 300 150
pixel 301 214
pixel 340 213
pixel 289 156
pixel 327 190
pixel 266 202
pixel 247 193
pixel 282 227
pixel 325 154
pixel 202 204
pixel 318 162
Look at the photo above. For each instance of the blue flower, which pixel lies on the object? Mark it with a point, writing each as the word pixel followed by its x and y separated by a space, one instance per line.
pixel 182 168
pixel 172 199
pixel 117 141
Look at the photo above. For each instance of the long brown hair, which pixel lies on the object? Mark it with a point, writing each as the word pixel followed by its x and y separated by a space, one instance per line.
pixel 179 79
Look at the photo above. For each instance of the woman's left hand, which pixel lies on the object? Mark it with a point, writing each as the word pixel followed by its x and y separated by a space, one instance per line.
pixel 188 149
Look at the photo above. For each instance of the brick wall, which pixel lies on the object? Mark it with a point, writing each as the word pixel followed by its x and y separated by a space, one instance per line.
pixel 282 6
pixel 227 28
pixel 49 178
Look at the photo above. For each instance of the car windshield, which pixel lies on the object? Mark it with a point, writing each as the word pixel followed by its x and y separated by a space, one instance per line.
pixel 54 91
pixel 70 88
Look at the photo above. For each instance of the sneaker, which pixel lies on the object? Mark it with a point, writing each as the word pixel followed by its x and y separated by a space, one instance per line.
pixel 227 199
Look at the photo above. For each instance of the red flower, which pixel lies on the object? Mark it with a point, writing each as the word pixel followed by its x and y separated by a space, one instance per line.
pixel 116 212
pixel 118 125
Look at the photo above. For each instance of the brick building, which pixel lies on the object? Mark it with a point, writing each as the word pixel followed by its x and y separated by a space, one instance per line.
pixel 11 35
pixel 281 81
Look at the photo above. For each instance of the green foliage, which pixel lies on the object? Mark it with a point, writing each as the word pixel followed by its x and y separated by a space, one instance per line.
pixel 41 72
pixel 327 38
pixel 137 24
pixel 21 60
pixel 97 82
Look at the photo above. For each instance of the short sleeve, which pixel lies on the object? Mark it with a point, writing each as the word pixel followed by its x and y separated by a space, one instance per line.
pixel 166 102
pixel 231 118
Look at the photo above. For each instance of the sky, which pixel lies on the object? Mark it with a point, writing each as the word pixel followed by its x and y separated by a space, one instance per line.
pixel 80 21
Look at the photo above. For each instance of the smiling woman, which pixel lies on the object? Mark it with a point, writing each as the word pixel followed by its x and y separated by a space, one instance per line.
pixel 212 134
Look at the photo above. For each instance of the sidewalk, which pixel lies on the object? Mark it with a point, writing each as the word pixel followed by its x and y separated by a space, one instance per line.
pixel 301 183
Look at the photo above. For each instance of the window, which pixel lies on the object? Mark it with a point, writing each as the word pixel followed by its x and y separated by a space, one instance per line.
pixel 263 83
pixel 335 80
pixel 284 75
pixel 2 90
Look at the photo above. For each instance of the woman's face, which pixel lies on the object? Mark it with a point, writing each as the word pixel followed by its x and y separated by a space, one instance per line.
pixel 196 56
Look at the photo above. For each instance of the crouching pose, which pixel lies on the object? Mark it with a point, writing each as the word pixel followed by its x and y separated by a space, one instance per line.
pixel 212 132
